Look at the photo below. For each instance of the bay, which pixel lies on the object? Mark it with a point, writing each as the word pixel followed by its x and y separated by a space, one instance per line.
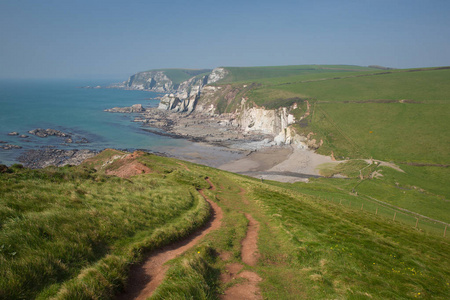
pixel 63 105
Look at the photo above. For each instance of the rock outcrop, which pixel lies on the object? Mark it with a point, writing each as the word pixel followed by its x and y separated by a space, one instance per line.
pixel 180 97
pixel 161 81
pixel 36 159
pixel 48 132
pixel 135 108
pixel 10 146
pixel 199 94
pixel 275 122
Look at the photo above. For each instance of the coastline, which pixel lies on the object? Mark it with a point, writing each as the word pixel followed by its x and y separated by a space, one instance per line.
pixel 250 153
pixel 216 142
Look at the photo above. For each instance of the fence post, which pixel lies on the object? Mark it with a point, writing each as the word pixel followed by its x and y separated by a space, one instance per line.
pixel 395 213
pixel 362 205
pixel 445 230
pixel 340 201
pixel 376 212
pixel 417 222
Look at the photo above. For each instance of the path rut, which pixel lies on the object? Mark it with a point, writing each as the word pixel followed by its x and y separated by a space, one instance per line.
pixel 145 278
pixel 248 290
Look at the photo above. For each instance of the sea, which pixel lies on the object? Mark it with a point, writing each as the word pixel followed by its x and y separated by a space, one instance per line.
pixel 68 106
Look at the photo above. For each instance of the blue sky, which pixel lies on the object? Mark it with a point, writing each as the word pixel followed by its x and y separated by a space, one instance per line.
pixel 114 39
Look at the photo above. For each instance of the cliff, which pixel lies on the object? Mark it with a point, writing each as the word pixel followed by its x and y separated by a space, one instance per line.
pixel 182 86
pixel 198 93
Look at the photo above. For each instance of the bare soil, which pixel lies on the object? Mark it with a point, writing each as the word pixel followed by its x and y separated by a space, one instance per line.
pixel 145 278
pixel 128 166
pixel 248 289
pixel 250 254
pixel 129 169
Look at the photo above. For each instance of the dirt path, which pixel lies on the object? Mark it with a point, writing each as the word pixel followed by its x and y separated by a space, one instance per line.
pixel 145 278
pixel 249 252
pixel 249 289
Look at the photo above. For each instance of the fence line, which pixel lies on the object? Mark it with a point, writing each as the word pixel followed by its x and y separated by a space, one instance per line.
pixel 397 214
pixel 405 210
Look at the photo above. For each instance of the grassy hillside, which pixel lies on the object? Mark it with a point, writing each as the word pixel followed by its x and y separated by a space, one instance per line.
pixel 252 74
pixel 394 115
pixel 63 229
pixel 73 232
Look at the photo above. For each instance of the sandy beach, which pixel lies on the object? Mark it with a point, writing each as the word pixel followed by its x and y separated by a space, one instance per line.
pixel 286 164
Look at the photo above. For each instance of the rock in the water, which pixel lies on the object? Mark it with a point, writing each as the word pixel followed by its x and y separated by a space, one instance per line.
pixel 36 159
pixel 48 132
pixel 13 133
pixel 10 146
pixel 24 136
pixel 3 142
pixel 135 108
pixel 82 141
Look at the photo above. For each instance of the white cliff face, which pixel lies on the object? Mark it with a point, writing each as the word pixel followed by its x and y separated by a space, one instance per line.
pixel 274 122
pixel 217 74
pixel 174 103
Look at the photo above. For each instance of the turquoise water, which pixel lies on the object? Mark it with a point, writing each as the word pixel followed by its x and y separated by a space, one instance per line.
pixel 62 105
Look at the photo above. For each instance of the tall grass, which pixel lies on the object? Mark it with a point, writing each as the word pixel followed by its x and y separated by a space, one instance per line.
pixel 56 223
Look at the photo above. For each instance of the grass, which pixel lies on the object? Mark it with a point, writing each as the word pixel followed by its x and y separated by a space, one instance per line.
pixel 313 248
pixel 336 256
pixel 255 74
pixel 386 131
pixel 426 85
pixel 310 246
pixel 61 227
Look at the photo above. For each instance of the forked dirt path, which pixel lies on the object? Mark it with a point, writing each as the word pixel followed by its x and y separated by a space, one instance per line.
pixel 249 289
pixel 145 278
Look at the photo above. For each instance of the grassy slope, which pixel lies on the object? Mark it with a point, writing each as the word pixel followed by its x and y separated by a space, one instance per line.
pixel 310 246
pixel 359 116
pixel 252 74
pixel 63 228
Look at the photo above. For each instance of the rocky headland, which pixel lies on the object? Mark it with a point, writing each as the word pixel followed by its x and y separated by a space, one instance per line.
pixel 266 137
pixel 195 107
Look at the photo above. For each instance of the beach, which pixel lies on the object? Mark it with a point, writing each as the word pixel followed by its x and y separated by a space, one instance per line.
pixel 286 164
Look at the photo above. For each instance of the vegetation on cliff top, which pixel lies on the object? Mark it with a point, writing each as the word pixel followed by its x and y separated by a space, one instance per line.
pixel 179 75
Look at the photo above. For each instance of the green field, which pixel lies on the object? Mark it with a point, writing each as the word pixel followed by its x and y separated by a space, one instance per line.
pixel 261 74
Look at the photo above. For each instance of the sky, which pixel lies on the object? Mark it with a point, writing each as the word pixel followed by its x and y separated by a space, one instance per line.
pixel 115 39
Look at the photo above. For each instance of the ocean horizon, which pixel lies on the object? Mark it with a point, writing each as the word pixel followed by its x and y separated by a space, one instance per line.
pixel 66 106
